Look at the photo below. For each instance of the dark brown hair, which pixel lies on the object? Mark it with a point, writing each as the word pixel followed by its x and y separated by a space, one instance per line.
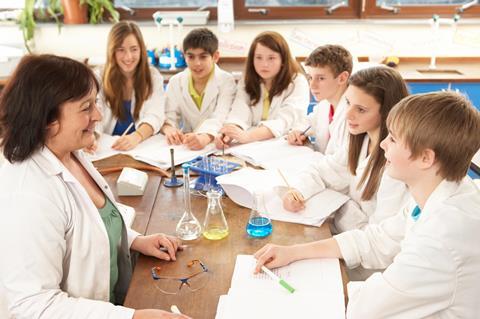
pixel 445 122
pixel 290 68
pixel 201 38
pixel 114 81
pixel 32 98
pixel 336 57
pixel 387 87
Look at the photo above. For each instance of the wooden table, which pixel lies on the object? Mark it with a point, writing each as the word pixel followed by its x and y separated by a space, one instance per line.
pixel 219 256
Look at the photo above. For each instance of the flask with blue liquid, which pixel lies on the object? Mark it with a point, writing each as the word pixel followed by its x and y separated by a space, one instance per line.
pixel 259 224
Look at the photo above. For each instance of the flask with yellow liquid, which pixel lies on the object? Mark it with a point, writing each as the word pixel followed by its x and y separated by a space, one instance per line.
pixel 215 225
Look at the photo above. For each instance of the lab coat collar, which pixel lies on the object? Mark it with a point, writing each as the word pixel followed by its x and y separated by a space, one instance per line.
pixel 50 163
pixel 210 92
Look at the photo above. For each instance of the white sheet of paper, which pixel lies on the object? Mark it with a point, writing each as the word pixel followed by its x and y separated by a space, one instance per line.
pixel 240 188
pixel 154 151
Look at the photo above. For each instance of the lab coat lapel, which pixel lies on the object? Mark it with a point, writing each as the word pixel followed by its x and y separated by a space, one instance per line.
pixel 190 104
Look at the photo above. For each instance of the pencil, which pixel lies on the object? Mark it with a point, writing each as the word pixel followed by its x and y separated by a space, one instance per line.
pixel 306 130
pixel 128 129
pixel 282 282
pixel 290 189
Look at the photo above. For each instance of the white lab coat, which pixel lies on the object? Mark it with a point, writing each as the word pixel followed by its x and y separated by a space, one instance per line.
pixel 152 112
pixel 433 263
pixel 216 103
pixel 286 108
pixel 328 137
pixel 331 171
pixel 55 247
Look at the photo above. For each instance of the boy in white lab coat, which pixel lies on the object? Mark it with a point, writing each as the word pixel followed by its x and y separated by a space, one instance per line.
pixel 200 97
pixel 430 246
pixel 328 69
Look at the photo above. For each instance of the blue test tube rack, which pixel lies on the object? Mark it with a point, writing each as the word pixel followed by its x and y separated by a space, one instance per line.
pixel 208 169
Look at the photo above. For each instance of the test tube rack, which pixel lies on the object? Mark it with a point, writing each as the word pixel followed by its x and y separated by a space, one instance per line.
pixel 208 169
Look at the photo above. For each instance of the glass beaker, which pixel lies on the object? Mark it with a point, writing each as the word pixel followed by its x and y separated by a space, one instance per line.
pixel 215 225
pixel 188 228
pixel 259 224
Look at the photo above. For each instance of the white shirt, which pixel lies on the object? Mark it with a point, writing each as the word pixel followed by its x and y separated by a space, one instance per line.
pixel 217 101
pixel 152 112
pixel 286 108
pixel 55 247
pixel 331 171
pixel 433 263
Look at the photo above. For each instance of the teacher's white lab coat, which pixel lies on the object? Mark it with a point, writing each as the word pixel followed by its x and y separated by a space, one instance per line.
pixel 286 108
pixel 331 171
pixel 55 249
pixel 216 103
pixel 433 263
pixel 329 138
pixel 152 112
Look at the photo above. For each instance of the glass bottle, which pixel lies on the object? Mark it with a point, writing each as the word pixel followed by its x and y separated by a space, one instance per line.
pixel 188 228
pixel 215 225
pixel 259 224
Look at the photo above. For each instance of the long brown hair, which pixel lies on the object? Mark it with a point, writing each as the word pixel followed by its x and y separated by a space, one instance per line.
pixel 274 41
pixel 113 80
pixel 387 87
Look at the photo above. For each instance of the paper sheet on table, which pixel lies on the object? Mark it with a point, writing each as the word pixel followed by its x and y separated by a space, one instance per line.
pixel 154 151
pixel 271 153
pixel 318 294
pixel 241 185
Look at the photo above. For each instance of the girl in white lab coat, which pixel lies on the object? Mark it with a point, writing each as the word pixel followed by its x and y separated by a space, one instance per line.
pixel 131 99
pixel 271 97
pixel 65 247
pixel 357 169
pixel 200 97
pixel 430 247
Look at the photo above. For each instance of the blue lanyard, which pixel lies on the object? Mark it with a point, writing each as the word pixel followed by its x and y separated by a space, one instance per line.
pixel 416 213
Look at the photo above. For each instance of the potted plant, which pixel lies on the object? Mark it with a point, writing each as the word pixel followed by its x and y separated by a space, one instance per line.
pixel 74 11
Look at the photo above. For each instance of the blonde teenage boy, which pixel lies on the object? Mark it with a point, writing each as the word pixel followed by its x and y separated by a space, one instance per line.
pixel 328 69
pixel 200 97
pixel 431 246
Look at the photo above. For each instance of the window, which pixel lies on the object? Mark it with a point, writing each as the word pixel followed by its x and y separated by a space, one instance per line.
pixel 307 9
pixel 420 8
pixel 294 9
pixel 12 4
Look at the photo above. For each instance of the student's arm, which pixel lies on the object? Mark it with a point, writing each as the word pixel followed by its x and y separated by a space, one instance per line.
pixel 273 256
pixel 172 112
pixel 153 109
pixel 419 283
pixel 251 135
pixel 130 141
pixel 31 272
pixel 292 108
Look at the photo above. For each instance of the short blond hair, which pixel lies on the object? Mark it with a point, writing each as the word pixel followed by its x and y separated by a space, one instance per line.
pixel 445 122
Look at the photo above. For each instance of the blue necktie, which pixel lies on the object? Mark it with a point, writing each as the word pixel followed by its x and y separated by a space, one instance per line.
pixel 416 213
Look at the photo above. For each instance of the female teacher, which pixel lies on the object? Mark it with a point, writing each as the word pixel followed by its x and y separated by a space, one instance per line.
pixel 65 248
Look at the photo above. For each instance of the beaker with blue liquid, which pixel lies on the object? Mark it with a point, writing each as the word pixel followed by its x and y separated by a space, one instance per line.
pixel 259 224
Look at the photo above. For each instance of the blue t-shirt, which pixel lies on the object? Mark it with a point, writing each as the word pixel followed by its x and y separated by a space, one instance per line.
pixel 121 126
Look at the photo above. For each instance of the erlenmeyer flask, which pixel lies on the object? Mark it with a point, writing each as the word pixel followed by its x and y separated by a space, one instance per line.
pixel 215 225
pixel 188 228
pixel 259 224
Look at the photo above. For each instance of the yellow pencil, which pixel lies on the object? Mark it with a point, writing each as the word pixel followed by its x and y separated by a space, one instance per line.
pixel 290 189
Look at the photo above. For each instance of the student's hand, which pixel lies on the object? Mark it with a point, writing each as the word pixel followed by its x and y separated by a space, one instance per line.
pixel 196 141
pixel 222 141
pixel 158 245
pixel 156 314
pixel 92 148
pixel 234 132
pixel 273 256
pixel 293 201
pixel 127 142
pixel 173 135
pixel 296 138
